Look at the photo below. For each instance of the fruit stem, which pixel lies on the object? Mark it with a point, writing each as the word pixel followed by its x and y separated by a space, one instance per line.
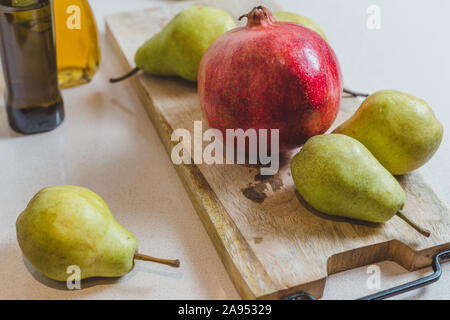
pixel 355 93
pixel 143 257
pixel 419 229
pixel 259 16
pixel 126 76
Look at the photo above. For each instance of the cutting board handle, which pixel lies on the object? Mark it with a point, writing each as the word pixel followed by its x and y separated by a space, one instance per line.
pixel 436 265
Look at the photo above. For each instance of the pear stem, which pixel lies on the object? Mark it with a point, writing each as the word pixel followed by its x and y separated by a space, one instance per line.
pixel 143 257
pixel 126 76
pixel 419 229
pixel 355 93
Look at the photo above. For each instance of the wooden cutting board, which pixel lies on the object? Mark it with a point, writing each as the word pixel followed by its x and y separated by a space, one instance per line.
pixel 270 242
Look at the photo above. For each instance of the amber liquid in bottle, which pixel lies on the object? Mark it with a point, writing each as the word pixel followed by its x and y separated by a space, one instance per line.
pixel 77 46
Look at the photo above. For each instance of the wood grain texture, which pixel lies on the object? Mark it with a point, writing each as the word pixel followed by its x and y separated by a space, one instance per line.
pixel 270 241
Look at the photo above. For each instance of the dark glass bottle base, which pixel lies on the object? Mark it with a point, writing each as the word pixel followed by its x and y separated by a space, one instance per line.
pixel 35 119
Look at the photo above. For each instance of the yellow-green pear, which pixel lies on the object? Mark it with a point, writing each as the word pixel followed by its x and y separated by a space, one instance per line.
pixel 178 49
pixel 337 175
pixel 299 19
pixel 399 129
pixel 66 226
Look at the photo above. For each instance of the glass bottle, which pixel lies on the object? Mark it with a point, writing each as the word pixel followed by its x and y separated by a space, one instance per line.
pixel 77 44
pixel 33 100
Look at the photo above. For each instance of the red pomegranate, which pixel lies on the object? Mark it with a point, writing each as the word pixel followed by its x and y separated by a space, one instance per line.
pixel 271 75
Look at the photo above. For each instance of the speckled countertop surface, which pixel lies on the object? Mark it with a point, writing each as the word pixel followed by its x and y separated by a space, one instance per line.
pixel 109 145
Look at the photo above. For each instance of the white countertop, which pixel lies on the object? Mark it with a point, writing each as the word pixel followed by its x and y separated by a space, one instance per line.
pixel 108 144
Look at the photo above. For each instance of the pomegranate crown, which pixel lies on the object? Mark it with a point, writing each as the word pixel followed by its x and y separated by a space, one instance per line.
pixel 259 16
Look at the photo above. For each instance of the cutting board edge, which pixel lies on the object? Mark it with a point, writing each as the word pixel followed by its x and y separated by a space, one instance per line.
pixel 392 250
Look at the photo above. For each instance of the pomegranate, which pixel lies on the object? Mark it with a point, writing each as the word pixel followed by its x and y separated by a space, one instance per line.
pixel 271 75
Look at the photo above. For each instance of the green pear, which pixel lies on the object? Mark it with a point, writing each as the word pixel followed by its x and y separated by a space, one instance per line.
pixel 400 130
pixel 178 49
pixel 299 19
pixel 337 175
pixel 68 225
